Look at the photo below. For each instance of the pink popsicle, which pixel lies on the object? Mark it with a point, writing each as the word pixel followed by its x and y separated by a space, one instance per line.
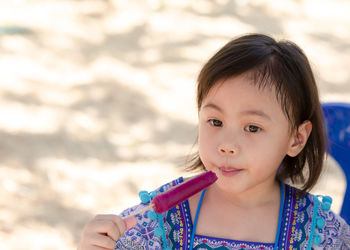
pixel 183 191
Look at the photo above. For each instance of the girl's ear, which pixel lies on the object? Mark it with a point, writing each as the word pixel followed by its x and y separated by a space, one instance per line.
pixel 299 139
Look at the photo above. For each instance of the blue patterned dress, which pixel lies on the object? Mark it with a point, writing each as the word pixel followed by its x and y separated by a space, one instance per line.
pixel 306 223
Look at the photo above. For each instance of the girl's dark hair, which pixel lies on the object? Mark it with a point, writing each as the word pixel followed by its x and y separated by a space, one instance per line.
pixel 283 66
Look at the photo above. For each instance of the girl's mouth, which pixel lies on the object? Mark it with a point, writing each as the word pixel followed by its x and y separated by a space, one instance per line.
pixel 228 171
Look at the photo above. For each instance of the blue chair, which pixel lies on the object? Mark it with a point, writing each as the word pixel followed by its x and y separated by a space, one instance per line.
pixel 338 125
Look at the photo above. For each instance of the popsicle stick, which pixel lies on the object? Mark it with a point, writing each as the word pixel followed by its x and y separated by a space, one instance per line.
pixel 140 211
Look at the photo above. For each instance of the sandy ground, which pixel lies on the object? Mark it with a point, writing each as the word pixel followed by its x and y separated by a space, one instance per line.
pixel 97 99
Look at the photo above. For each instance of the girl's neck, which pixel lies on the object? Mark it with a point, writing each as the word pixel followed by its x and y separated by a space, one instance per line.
pixel 258 196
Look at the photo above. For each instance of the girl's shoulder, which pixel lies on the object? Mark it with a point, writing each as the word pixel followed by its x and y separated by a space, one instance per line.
pixel 314 218
pixel 150 231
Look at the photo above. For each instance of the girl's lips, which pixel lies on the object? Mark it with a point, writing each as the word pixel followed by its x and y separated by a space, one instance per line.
pixel 228 171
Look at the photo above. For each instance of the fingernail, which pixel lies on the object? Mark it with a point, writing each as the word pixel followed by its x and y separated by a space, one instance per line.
pixel 130 222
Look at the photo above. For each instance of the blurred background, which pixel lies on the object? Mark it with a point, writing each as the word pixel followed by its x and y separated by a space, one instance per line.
pixel 97 99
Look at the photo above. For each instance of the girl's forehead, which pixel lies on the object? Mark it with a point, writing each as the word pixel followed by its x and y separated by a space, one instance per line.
pixel 242 83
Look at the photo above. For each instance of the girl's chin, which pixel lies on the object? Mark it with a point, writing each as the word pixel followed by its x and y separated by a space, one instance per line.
pixel 229 188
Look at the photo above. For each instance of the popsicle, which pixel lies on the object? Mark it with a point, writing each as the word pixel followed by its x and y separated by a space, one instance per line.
pixel 174 196
pixel 183 191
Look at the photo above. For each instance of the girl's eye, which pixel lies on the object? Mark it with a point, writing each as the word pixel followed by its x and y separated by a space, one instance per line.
pixel 252 129
pixel 215 123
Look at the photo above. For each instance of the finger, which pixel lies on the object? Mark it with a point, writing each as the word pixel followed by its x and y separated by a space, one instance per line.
pixel 103 241
pixel 121 225
pixel 130 222
pixel 107 227
pixel 116 219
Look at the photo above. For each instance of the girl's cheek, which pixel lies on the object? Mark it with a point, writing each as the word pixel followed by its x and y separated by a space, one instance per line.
pixel 205 135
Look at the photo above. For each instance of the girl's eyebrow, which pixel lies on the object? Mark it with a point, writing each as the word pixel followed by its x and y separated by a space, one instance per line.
pixel 245 112
pixel 213 106
pixel 257 113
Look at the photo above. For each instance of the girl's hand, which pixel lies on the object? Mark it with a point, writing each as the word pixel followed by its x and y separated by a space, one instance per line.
pixel 103 231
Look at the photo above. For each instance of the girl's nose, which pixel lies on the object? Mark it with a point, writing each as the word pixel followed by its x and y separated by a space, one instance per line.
pixel 227 150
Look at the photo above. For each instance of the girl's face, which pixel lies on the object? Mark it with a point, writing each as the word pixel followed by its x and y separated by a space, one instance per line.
pixel 243 134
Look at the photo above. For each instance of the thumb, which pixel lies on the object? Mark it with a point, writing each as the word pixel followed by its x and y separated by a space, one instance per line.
pixel 130 222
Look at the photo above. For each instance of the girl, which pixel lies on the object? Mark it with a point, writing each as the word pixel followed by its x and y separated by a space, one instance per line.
pixel 260 126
